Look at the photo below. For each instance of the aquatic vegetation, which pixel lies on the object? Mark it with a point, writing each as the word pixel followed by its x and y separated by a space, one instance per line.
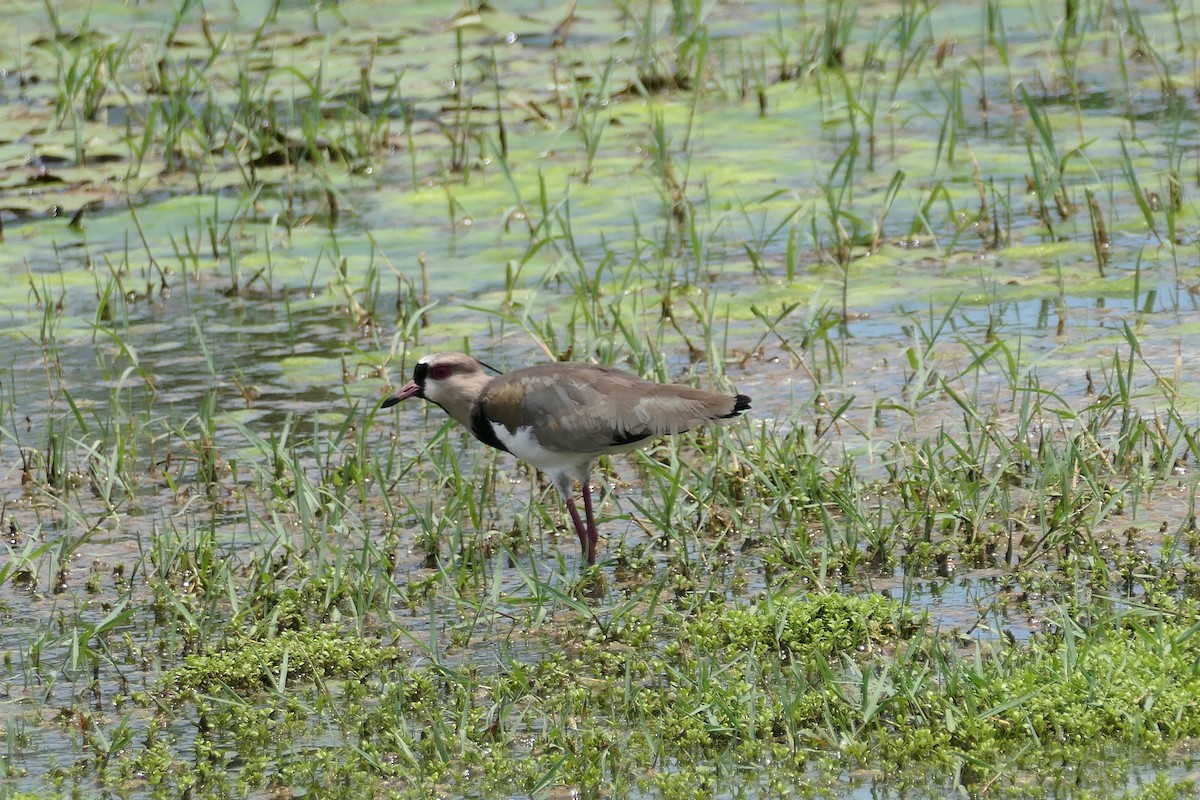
pixel 948 251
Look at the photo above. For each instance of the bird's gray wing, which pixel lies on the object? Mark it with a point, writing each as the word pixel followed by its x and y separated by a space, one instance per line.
pixel 590 409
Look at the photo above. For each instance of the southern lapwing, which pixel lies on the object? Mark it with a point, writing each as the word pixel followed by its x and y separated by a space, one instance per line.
pixel 560 417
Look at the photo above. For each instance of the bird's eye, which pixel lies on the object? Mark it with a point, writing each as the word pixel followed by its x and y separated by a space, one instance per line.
pixel 440 372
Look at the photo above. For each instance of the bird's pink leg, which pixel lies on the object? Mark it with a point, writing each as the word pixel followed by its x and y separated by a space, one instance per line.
pixel 589 553
pixel 593 535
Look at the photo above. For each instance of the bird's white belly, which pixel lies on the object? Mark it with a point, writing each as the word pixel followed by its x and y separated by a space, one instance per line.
pixel 525 446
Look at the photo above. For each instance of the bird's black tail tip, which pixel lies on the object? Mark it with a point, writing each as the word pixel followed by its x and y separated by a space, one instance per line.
pixel 741 402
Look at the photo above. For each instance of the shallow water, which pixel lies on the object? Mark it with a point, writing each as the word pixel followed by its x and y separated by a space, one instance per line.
pixel 195 313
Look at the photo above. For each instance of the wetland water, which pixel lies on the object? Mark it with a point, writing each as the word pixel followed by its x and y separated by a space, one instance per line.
pixel 950 252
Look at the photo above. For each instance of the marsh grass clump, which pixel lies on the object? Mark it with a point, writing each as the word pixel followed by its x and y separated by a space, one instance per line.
pixel 1087 684
pixel 247 666
pixel 801 627
pixel 802 669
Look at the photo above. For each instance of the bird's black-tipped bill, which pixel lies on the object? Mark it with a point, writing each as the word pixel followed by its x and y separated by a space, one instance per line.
pixel 403 393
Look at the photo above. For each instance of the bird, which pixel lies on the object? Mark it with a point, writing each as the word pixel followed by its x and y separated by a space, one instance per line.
pixel 560 417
